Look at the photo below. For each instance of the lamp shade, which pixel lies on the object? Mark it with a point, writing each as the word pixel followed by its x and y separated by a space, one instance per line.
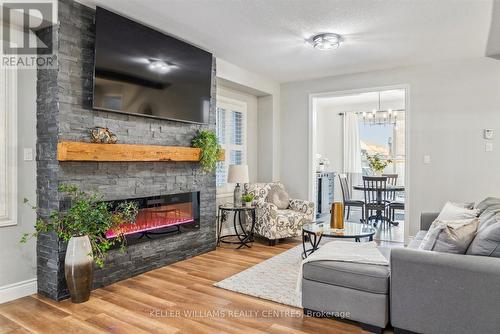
pixel 237 174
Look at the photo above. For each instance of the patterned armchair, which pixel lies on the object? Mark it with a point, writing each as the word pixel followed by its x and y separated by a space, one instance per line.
pixel 273 223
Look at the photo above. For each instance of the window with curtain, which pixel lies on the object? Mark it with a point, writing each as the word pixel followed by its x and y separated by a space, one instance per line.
pixel 231 133
pixel 8 146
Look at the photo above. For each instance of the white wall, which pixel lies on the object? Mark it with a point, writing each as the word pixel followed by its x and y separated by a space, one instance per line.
pixel 268 97
pixel 330 141
pixel 18 262
pixel 450 103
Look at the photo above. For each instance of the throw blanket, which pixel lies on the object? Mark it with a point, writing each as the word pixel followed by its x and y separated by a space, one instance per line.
pixel 345 251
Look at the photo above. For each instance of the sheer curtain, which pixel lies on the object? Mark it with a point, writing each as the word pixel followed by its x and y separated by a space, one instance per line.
pixel 352 144
pixel 352 150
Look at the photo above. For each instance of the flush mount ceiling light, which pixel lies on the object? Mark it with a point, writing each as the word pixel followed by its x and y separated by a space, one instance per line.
pixel 159 66
pixel 327 41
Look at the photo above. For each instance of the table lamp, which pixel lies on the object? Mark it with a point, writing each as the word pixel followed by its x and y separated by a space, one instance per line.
pixel 237 174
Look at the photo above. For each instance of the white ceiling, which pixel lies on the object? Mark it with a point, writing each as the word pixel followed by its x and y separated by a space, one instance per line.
pixel 268 36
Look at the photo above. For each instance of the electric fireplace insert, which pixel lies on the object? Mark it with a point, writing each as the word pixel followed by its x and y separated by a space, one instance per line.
pixel 160 215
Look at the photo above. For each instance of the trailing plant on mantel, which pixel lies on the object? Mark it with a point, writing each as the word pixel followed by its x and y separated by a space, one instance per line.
pixel 206 140
pixel 88 215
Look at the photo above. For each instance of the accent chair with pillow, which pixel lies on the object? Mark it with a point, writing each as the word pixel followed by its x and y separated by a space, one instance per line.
pixel 278 216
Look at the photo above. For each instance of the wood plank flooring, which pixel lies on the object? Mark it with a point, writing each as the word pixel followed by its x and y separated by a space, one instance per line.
pixel 178 298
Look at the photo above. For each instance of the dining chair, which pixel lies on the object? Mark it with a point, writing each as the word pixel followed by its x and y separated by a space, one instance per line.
pixel 392 180
pixel 348 201
pixel 394 202
pixel 375 192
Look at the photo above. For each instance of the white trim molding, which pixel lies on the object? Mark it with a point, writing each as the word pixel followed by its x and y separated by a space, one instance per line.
pixel 8 142
pixel 312 140
pixel 17 290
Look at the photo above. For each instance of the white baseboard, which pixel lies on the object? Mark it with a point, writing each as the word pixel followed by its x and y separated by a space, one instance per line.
pixel 17 290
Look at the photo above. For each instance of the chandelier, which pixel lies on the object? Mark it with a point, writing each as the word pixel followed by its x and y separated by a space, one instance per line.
pixel 379 116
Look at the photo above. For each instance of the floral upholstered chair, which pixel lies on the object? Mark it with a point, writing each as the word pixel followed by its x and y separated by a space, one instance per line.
pixel 273 223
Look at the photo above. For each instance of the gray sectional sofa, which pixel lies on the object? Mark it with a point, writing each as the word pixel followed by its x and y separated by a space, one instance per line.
pixel 441 293
pixel 423 291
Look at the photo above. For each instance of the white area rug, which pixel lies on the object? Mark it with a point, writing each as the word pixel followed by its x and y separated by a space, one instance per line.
pixel 274 279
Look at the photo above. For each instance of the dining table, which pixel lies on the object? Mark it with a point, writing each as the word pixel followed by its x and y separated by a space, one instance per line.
pixel 389 188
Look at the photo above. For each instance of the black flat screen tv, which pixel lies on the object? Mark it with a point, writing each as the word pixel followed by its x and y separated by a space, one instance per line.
pixel 141 71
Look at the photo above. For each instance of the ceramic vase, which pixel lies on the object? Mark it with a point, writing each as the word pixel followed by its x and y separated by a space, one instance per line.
pixel 337 216
pixel 78 268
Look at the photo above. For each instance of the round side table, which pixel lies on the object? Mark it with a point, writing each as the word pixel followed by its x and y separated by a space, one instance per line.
pixel 244 236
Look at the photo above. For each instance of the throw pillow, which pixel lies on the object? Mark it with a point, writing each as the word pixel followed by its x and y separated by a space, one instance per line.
pixel 465 205
pixel 487 202
pixel 450 236
pixel 487 218
pixel 278 196
pixel 451 211
pixel 487 240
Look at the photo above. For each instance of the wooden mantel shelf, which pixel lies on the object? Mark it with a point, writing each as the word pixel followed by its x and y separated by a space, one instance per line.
pixel 81 151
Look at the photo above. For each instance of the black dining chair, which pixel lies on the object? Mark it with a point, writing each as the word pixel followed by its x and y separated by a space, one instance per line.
pixel 394 203
pixel 375 191
pixel 392 181
pixel 348 201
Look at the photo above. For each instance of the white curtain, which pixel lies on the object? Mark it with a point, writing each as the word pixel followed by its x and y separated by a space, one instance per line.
pixel 352 144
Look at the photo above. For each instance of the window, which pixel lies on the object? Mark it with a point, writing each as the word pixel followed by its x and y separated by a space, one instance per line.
pixel 231 133
pixel 8 148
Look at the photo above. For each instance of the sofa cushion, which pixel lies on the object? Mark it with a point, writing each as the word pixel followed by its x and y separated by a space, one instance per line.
pixel 417 240
pixel 487 218
pixel 487 202
pixel 420 235
pixel 415 243
pixel 358 276
pixel 290 218
pixel 450 236
pixel 487 240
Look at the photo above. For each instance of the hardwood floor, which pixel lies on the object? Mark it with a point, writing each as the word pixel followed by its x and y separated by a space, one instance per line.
pixel 179 298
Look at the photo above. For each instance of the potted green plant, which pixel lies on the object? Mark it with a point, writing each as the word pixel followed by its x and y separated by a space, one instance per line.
pixel 377 164
pixel 206 140
pixel 248 199
pixel 83 227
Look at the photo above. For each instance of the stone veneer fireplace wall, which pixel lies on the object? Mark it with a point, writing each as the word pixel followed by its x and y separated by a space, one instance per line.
pixel 64 112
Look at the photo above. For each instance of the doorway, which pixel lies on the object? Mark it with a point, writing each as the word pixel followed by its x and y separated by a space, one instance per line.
pixel 348 130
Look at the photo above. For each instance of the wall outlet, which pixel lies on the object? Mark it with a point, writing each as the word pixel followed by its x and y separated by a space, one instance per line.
pixel 28 154
pixel 427 159
pixel 488 147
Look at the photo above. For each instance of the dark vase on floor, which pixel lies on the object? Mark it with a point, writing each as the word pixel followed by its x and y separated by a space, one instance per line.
pixel 78 268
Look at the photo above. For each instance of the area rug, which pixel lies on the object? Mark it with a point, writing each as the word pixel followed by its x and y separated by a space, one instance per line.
pixel 274 279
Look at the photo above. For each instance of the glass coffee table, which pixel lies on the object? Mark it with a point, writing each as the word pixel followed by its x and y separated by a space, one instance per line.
pixel 313 232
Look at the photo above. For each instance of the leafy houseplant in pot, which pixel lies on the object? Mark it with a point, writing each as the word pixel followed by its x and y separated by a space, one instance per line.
pixel 377 164
pixel 247 199
pixel 83 227
pixel 206 140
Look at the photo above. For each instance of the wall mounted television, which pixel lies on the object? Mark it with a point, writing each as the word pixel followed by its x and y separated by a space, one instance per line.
pixel 141 71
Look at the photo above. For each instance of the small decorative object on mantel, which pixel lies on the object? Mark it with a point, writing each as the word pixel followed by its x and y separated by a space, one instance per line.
pixel 83 227
pixel 337 216
pixel 102 135
pixel 377 164
pixel 206 140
